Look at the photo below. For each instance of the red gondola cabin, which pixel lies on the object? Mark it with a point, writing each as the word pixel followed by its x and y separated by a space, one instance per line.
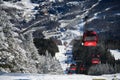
pixel 82 68
pixel 72 69
pixel 90 38
pixel 95 61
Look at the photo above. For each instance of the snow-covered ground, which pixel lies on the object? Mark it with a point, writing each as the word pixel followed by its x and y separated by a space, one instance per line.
pixel 116 54
pixel 18 76
pixel 61 56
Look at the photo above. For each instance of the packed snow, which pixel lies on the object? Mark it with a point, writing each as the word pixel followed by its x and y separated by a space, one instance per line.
pixel 116 54
pixel 19 76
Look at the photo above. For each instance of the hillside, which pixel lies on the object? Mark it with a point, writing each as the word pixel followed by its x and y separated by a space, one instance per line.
pixel 35 34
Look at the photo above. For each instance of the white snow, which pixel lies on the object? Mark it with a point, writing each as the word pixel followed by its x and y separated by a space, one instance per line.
pixel 73 3
pixel 107 9
pixel 26 6
pixel 61 56
pixel 8 4
pixel 18 76
pixel 52 0
pixel 89 20
pixel 96 14
pixel 77 33
pixel 63 25
pixel 118 14
pixel 116 54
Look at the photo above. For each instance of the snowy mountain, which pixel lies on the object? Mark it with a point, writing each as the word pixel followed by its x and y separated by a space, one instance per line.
pixel 62 20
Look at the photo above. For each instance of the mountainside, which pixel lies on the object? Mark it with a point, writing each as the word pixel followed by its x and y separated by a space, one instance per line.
pixel 25 22
pixel 17 50
pixel 106 19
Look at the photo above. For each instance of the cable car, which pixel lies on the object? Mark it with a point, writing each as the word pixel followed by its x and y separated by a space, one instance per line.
pixel 72 69
pixel 90 38
pixel 82 67
pixel 95 59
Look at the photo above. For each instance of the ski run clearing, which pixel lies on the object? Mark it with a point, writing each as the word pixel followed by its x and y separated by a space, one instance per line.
pixel 116 54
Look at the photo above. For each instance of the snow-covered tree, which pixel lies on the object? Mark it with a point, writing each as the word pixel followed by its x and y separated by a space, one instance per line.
pixel 17 50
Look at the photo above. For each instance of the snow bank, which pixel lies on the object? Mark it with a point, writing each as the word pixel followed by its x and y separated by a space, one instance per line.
pixel 55 77
pixel 116 54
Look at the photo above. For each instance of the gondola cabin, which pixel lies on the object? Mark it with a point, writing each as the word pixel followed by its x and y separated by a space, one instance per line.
pixel 90 38
pixel 72 69
pixel 95 61
pixel 82 68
